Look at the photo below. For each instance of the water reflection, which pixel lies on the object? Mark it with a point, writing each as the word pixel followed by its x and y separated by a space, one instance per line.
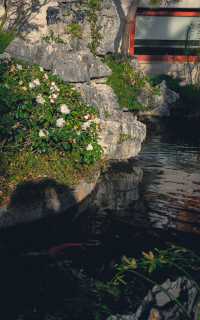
pixel 159 189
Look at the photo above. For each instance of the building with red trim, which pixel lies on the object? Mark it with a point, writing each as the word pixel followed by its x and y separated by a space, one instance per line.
pixel 166 36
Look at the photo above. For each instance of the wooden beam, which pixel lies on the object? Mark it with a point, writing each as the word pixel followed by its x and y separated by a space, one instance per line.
pixel 168 58
pixel 168 13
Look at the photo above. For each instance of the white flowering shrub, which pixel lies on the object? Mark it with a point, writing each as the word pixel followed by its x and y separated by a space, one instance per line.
pixel 38 111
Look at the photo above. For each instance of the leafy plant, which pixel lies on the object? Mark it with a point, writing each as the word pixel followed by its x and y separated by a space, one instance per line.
pixel 154 262
pixel 74 29
pixel 126 83
pixel 43 119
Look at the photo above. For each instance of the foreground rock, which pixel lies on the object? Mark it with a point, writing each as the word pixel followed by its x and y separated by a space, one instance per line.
pixel 32 201
pixel 161 302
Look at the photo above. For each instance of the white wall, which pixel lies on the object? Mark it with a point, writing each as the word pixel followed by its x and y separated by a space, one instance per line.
pixel 167 28
pixel 173 3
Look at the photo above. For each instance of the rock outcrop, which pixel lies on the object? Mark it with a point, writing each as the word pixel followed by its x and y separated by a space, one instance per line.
pixel 71 66
pixel 121 134
pixel 160 104
pixel 48 42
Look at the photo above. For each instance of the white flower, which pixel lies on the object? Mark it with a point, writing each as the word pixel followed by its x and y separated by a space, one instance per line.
pixel 60 123
pixel 87 117
pixel 19 67
pixel 36 82
pixel 53 84
pixel 52 100
pixel 54 96
pixel 42 134
pixel 40 99
pixel 31 85
pixel 24 88
pixel 85 125
pixel 89 147
pixel 41 69
pixel 96 120
pixel 64 109
pixel 21 83
pixel 46 76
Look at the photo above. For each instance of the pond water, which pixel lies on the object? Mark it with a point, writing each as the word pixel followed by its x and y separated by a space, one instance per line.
pixel 137 205
pixel 158 192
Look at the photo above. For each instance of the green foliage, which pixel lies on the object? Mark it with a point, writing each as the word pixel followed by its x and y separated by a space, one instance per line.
pixel 40 112
pixel 5 39
pixel 46 130
pixel 158 260
pixel 74 29
pixel 126 83
pixel 30 166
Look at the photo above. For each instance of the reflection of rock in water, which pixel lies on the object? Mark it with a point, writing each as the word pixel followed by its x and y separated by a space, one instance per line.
pixel 115 197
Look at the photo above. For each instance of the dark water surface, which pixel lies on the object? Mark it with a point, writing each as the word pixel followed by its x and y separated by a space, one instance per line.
pixel 137 205
pixel 171 184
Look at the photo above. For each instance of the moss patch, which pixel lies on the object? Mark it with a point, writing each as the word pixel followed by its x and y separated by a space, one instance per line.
pixel 28 166
pixel 126 83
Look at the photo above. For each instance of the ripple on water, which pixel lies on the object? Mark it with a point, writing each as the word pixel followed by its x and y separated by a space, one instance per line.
pixel 171 184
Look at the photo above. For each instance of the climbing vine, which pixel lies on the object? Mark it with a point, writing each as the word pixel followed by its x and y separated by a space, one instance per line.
pixel 93 7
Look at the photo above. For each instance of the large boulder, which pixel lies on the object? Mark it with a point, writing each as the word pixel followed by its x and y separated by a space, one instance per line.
pixel 121 134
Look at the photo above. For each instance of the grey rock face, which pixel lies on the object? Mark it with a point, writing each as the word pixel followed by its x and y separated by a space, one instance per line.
pixel 71 66
pixel 45 16
pixel 121 134
pixel 109 24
